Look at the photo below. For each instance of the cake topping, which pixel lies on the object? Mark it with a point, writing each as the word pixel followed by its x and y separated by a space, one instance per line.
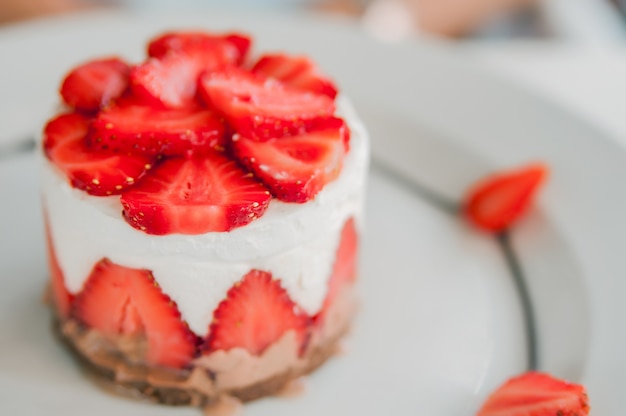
pixel 231 136
pixel 118 300
pixel 535 394
pixel 296 71
pixel 231 48
pixel 195 195
pixel 169 78
pixel 296 168
pixel 502 199
pixel 150 131
pixel 261 108
pixel 97 173
pixel 256 312
pixel 94 84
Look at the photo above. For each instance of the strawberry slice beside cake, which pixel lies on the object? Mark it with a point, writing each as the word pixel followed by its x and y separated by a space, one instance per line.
pixel 203 216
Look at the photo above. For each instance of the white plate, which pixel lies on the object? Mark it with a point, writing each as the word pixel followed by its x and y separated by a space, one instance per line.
pixel 443 321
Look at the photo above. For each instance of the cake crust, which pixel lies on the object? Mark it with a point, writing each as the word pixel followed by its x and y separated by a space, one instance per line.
pixel 121 371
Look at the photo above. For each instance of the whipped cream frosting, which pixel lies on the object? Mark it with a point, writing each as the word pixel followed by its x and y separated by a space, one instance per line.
pixel 295 242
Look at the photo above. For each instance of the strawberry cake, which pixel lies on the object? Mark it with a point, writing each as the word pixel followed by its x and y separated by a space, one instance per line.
pixel 203 211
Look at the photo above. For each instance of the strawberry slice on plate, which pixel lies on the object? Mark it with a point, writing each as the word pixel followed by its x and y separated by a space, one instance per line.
pixel 233 47
pixel 117 300
pixel 296 168
pixel 256 313
pixel 263 109
pixel 503 198
pixel 170 80
pixel 296 71
pixel 94 84
pixel 97 173
pixel 537 394
pixel 195 195
pixel 130 128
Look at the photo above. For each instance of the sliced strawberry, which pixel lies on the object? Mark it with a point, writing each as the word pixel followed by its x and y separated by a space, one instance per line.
pixel 296 71
pixel 501 199
pixel 62 297
pixel 194 196
pixel 257 311
pixel 149 131
pixel 118 300
pixel 170 80
pixel 243 44
pixel 94 172
pixel 95 84
pixel 344 268
pixel 263 109
pixel 233 47
pixel 537 394
pixel 296 168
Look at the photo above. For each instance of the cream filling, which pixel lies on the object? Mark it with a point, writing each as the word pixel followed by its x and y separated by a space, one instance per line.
pixel 295 242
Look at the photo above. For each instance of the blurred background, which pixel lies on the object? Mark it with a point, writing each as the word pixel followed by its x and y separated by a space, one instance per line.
pixel 581 20
pixel 568 51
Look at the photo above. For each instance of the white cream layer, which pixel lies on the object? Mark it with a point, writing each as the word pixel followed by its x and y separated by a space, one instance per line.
pixel 295 242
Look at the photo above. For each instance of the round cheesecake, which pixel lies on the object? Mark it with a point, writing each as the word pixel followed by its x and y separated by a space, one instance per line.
pixel 237 304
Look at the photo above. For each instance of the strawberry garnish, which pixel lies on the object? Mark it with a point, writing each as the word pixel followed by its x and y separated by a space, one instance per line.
pixel 344 268
pixel 195 195
pixel 296 71
pixel 263 109
pixel 537 394
pixel 256 313
pixel 501 199
pixel 117 300
pixel 95 84
pixel 145 130
pixel 96 173
pixel 242 43
pixel 61 296
pixel 296 168
pixel 170 80
pixel 233 47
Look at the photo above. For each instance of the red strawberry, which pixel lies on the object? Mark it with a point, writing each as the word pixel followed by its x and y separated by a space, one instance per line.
pixel 194 196
pixel 170 80
pixel 296 168
pixel 145 130
pixel 95 84
pixel 94 172
pixel 537 394
pixel 344 269
pixel 242 42
pixel 501 199
pixel 233 46
pixel 62 297
pixel 263 109
pixel 296 71
pixel 118 300
pixel 257 311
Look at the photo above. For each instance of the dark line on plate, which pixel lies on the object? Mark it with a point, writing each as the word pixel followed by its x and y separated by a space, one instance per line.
pixel 530 325
pixel 17 148
pixel 438 201
pixel 503 240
